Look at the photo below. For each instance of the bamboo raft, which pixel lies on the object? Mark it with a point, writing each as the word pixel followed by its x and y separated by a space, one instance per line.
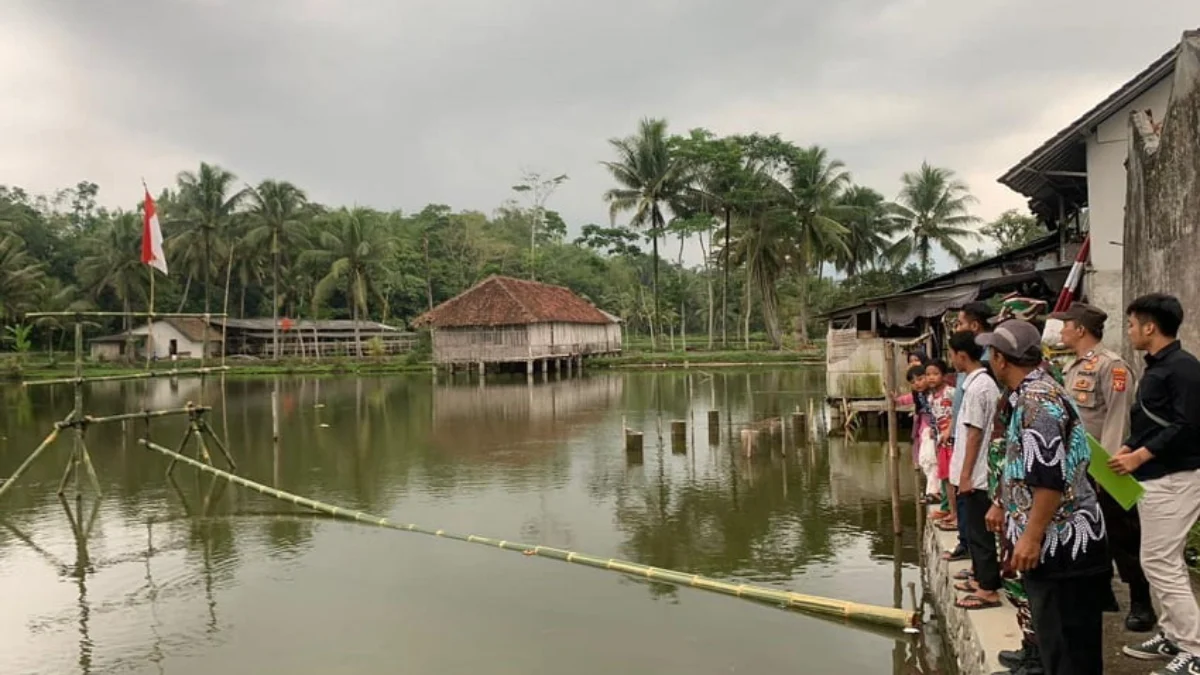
pixel 887 617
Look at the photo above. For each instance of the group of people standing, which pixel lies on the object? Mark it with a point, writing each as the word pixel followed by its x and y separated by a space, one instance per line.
pixel 1006 452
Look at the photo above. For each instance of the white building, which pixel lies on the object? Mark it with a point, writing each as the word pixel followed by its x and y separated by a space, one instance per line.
pixel 1077 179
pixel 168 337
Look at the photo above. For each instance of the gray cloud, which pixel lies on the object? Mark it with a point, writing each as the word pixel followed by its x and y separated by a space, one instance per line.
pixel 398 104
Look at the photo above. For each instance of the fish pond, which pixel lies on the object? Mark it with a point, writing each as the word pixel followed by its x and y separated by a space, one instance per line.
pixel 192 575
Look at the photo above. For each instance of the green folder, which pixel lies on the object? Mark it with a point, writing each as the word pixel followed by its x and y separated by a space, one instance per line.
pixel 1124 489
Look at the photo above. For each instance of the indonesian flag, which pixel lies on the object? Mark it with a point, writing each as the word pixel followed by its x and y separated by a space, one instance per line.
pixel 152 242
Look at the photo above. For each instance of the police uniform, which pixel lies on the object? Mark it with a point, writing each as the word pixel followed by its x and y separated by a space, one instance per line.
pixel 1101 384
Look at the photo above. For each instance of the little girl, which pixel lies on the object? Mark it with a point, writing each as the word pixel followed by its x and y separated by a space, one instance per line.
pixel 922 429
pixel 941 408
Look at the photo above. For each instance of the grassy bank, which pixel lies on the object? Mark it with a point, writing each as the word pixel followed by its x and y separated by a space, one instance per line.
pixel 14 370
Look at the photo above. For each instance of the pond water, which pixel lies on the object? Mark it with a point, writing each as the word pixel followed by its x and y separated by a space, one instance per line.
pixel 194 576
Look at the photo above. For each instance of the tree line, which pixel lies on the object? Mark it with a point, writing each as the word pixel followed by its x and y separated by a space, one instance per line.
pixel 774 222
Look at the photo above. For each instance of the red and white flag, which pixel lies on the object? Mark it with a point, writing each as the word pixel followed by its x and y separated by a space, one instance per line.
pixel 152 241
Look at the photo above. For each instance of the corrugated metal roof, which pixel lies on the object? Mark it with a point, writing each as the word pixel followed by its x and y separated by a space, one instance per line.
pixel 1067 150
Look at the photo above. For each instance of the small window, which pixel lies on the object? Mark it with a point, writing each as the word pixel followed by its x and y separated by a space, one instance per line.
pixel 863 321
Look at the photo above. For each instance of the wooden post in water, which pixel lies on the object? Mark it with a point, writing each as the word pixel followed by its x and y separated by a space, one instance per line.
pixel 679 436
pixel 749 440
pixel 633 441
pixel 275 415
pixel 799 428
pixel 889 377
pixel 714 427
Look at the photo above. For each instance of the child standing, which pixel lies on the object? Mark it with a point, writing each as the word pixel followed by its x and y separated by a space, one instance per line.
pixel 941 405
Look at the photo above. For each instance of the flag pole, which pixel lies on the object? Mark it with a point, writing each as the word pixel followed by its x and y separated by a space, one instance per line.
pixel 150 313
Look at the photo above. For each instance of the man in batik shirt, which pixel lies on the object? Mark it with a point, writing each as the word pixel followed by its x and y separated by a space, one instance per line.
pixel 1051 517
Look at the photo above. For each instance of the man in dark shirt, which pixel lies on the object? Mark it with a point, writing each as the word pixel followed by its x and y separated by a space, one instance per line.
pixel 1163 452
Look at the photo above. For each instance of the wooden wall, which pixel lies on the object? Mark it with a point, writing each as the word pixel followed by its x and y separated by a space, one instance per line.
pixel 498 344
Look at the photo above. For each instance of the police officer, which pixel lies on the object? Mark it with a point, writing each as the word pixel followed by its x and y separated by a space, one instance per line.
pixel 1101 382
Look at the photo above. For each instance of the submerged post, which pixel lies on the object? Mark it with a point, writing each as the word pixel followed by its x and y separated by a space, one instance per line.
pixel 679 436
pixel 633 442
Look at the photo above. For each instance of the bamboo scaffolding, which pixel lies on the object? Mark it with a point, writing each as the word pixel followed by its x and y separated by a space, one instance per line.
pixel 46 442
pixel 157 315
pixel 848 611
pixel 147 375
pixel 125 417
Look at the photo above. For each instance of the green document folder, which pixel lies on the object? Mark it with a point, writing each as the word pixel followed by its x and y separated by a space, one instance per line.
pixel 1124 489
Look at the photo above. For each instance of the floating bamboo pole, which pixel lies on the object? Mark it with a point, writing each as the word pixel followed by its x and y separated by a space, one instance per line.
pixel 79 379
pixel 848 611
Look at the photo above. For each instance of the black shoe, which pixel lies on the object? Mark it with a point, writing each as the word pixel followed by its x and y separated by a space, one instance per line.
pixel 1011 658
pixel 1141 618
pixel 1157 647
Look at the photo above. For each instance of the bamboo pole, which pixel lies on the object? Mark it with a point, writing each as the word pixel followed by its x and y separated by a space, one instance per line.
pixel 848 611
pixel 129 376
pixel 156 315
pixel 46 442
pixel 124 417
pixel 889 376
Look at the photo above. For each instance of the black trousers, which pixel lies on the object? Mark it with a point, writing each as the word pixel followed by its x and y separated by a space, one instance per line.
pixel 985 556
pixel 1068 622
pixel 1125 543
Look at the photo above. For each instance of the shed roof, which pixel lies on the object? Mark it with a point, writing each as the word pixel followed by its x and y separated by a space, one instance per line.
pixel 191 328
pixel 504 301
pixel 1055 164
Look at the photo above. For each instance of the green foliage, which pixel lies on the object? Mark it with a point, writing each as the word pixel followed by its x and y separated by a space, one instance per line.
pixel 18 337
pixel 1013 229
pixel 770 218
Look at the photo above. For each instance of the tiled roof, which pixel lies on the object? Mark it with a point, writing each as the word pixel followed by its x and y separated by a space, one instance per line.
pixel 504 301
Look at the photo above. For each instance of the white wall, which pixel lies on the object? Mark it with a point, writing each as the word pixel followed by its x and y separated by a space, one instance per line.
pixel 161 339
pixel 1107 148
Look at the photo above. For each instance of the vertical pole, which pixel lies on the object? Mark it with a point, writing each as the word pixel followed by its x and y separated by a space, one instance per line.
pixel 150 320
pixel 78 413
pixel 275 414
pixel 889 376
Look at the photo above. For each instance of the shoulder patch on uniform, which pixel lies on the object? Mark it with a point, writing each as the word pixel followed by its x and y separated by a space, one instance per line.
pixel 1120 378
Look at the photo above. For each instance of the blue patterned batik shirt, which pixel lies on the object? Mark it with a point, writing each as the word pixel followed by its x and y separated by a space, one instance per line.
pixel 1046 447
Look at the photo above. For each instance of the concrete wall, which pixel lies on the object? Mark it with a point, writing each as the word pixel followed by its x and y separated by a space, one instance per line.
pixel 1162 226
pixel 1107 148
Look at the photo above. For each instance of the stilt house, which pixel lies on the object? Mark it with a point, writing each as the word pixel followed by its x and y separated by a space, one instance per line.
pixel 506 320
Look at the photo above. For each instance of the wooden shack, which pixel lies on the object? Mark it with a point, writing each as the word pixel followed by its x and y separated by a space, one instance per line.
pixel 505 320
pixel 854 351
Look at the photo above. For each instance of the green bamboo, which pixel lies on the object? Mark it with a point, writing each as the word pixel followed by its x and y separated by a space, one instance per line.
pixel 848 611
pixel 47 442
pixel 130 376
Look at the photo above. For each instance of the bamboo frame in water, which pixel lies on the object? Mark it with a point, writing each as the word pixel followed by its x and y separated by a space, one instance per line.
pixel 849 611
pixel 144 375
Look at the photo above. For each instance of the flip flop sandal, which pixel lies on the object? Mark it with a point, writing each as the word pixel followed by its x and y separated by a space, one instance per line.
pixel 956 555
pixel 946 527
pixel 974 602
pixel 966 587
pixel 964 575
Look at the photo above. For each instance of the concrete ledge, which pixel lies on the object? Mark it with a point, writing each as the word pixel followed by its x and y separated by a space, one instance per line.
pixel 974 637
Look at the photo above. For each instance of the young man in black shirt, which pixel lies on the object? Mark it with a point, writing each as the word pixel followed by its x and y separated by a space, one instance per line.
pixel 1163 452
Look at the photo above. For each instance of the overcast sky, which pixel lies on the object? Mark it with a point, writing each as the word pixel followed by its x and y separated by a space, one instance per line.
pixel 400 103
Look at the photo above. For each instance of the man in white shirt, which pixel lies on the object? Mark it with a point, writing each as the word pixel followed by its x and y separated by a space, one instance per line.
pixel 969 470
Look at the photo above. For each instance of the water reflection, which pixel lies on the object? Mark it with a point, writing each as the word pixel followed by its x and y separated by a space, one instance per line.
pixel 191 574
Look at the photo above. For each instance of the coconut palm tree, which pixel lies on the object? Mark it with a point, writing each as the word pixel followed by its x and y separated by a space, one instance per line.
pixel 21 277
pixel 814 187
pixel 870 222
pixel 353 246
pixel 650 178
pixel 276 212
pixel 112 263
pixel 935 208
pixel 205 208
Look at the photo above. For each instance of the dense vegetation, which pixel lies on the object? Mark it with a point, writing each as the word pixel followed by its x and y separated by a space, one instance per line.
pixel 774 221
